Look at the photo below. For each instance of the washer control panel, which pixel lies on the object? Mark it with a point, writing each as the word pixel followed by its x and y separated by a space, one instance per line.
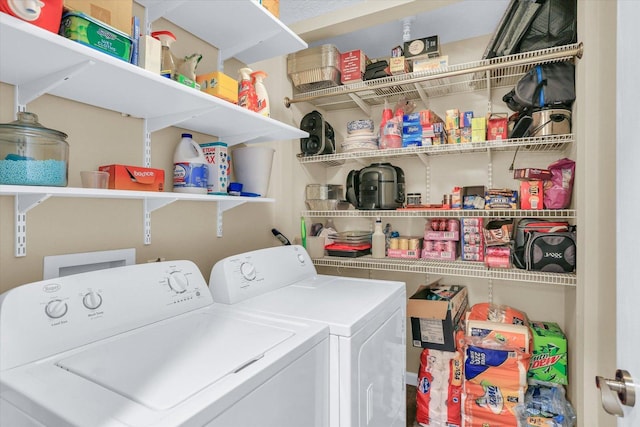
pixel 250 274
pixel 70 311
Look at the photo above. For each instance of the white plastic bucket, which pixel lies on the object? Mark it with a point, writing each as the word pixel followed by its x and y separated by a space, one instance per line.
pixel 252 167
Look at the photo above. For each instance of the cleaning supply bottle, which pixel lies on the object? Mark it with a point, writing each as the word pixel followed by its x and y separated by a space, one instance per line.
pixel 247 97
pixel 167 59
pixel 378 241
pixel 190 169
pixel 263 106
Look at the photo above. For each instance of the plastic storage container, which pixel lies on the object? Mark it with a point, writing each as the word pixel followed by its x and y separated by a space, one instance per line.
pixel 31 154
pixel 190 169
pixel 314 68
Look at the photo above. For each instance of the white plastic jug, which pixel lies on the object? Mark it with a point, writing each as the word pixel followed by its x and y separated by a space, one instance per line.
pixel 190 169
pixel 252 167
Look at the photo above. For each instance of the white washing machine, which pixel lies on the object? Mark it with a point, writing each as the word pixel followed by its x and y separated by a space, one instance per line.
pixel 366 319
pixel 145 345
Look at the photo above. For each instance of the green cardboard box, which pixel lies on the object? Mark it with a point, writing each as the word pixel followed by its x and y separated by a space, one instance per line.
pixel 549 356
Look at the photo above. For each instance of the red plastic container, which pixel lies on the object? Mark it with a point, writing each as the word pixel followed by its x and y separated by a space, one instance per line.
pixel 46 14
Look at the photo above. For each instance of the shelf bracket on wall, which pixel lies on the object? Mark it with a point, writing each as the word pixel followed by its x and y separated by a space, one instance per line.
pixel 161 122
pixel 231 52
pixel 427 175
pixel 490 290
pixel 222 207
pixel 151 205
pixel 423 95
pixel 146 153
pixel 27 92
pixel 488 79
pixel 22 204
pixel 363 105
pixel 489 168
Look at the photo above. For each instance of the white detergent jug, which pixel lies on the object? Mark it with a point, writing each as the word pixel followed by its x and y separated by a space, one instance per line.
pixel 190 169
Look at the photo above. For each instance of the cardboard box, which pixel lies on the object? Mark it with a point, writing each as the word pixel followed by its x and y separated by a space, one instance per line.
pixel 501 199
pixel 436 313
pixel 398 65
pixel 497 127
pixel 478 129
pixel 425 63
pixel 549 356
pixel 425 46
pixel 473 197
pixel 218 162
pixel 123 177
pixel 149 54
pixel 532 174
pixel 404 253
pixel 116 13
pixel 220 85
pixel 352 66
pixel 531 195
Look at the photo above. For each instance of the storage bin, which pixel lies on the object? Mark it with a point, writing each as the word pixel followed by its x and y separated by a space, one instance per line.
pixel 314 68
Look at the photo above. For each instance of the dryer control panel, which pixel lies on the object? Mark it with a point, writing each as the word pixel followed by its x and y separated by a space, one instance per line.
pixel 66 312
pixel 250 274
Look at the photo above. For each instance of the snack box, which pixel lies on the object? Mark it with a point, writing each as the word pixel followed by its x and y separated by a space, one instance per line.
pixel 96 34
pixel 549 356
pixel 501 199
pixel 478 129
pixel 530 174
pixel 428 46
pixel 220 85
pixel 437 312
pixel 497 127
pixel 123 177
pixel 531 195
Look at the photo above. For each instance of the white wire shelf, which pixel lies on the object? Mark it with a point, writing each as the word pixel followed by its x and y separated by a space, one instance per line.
pixel 532 144
pixel 448 268
pixel 460 78
pixel 441 213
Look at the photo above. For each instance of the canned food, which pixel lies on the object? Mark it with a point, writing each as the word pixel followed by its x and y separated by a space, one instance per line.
pixel 429 245
pixel 393 243
pixel 403 243
pixel 453 225
pixel 414 244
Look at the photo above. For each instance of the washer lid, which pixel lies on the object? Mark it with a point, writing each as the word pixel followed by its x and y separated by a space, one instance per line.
pixel 165 364
pixel 345 304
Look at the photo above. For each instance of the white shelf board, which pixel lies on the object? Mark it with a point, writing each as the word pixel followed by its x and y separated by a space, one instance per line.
pixel 96 193
pixel 241 29
pixel 31 55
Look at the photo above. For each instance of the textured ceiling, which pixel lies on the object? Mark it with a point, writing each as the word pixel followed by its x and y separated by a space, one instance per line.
pixel 451 22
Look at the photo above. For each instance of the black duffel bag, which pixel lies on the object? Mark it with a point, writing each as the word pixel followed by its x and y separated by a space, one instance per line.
pixel 549 85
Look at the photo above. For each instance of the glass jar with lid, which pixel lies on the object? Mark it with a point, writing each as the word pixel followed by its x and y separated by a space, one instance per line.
pixel 31 154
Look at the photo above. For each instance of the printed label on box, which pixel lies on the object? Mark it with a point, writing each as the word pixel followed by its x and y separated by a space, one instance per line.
pixel 431 330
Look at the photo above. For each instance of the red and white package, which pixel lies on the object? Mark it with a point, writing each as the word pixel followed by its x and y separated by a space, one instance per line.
pixel 439 391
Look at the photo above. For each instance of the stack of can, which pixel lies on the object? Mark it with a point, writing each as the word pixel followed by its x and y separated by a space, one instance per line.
pixel 441 239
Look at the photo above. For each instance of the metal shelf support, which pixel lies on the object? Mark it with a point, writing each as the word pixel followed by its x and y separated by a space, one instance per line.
pixel 22 204
pixel 151 205
pixel 222 207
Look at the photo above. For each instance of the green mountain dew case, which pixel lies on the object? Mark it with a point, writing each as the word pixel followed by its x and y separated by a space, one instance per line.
pixel 549 357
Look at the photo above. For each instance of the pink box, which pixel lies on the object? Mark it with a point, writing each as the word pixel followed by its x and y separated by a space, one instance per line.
pixel 531 195
pixel 352 66
pixel 442 235
pixel 472 239
pixel 441 255
pixel 403 253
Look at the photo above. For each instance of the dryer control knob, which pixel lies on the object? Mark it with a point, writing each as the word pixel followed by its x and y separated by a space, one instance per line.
pixel 178 282
pixel 92 300
pixel 248 270
pixel 301 258
pixel 56 308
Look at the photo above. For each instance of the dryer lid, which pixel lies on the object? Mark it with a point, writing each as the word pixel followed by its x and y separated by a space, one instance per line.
pixel 163 365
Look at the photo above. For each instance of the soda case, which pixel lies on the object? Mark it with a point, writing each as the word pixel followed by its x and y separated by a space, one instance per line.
pixel 472 240
pixel 441 236
pixel 549 356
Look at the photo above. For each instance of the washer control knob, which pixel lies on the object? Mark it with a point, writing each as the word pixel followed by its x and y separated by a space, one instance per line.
pixel 301 258
pixel 178 281
pixel 92 300
pixel 56 308
pixel 248 271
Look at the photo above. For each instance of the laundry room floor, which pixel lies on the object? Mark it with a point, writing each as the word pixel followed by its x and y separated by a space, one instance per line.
pixel 411 407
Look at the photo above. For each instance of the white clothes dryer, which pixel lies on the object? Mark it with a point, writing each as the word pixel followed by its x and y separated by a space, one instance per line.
pixel 366 319
pixel 145 345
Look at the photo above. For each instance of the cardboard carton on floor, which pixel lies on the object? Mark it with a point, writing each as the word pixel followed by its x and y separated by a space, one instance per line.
pixel 436 313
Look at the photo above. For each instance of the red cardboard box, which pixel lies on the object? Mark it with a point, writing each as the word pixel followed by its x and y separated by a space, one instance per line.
pixel 531 195
pixel 122 177
pixel 527 174
pixel 497 126
pixel 352 66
